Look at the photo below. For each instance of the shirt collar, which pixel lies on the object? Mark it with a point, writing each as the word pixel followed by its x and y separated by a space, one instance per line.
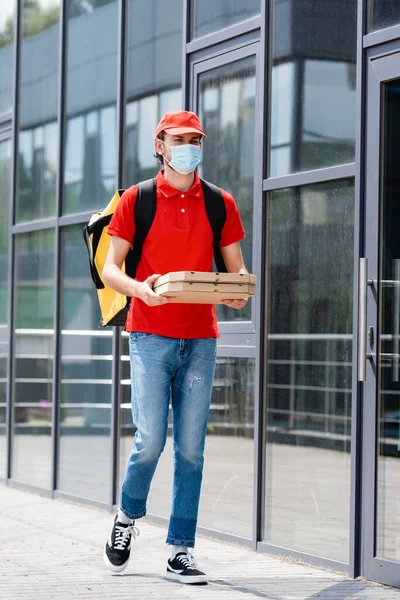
pixel 168 191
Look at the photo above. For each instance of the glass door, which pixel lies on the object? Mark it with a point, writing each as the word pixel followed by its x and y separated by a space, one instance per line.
pixel 380 324
pixel 223 93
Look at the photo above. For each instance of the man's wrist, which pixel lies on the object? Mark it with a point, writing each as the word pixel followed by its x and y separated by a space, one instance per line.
pixel 135 286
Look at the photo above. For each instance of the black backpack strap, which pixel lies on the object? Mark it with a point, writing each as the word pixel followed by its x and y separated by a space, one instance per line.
pixel 95 230
pixel 144 213
pixel 216 213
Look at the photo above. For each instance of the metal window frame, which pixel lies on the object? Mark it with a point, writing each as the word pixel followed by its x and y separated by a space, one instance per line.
pixel 356 412
pixel 116 390
pixel 381 36
pixel 310 177
pixel 221 35
pixel 62 58
pixel 6 136
pixel 11 260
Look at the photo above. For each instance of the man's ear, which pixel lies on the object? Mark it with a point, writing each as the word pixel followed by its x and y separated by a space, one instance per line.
pixel 159 145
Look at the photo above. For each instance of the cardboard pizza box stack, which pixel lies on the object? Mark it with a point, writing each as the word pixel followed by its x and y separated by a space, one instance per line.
pixel 194 287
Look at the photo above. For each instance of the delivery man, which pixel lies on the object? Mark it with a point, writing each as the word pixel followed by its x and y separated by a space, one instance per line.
pixel 172 346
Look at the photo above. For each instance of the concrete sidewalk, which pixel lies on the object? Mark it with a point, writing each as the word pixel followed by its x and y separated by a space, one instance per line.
pixel 53 549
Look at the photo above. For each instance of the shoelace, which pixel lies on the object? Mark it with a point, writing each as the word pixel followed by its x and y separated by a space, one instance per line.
pixel 123 536
pixel 188 561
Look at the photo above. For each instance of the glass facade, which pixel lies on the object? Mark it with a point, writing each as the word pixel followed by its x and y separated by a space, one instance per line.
pixel 383 13
pixel 90 168
pixel 38 134
pixel 7 25
pixel 85 379
pixel 310 276
pixel 32 393
pixel 313 85
pixel 278 100
pixel 154 38
pixel 209 17
pixel 226 107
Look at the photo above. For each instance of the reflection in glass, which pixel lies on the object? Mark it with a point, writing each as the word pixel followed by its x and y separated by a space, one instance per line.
pixel 309 353
pixel 38 136
pixel 91 148
pixel 313 75
pixel 207 17
pixel 5 193
pixel 383 13
pixel 155 89
pixel 227 110
pixel 388 484
pixel 33 358
pixel 227 492
pixel 7 17
pixel 85 380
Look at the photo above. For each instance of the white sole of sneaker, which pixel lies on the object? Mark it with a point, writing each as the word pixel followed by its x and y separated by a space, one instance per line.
pixel 186 578
pixel 112 567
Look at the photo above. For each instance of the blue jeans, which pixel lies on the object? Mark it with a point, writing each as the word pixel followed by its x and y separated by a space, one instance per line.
pixel 181 371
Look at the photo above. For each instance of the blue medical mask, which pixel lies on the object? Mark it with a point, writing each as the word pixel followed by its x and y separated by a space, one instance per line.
pixel 185 158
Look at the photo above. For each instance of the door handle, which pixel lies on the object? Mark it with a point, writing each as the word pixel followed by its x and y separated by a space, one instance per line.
pixel 363 283
pixel 396 319
pixel 383 355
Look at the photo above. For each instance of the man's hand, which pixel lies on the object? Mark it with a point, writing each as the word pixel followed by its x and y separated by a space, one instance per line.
pixel 145 292
pixel 238 304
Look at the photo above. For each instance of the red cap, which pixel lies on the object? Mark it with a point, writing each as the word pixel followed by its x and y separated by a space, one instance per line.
pixel 179 122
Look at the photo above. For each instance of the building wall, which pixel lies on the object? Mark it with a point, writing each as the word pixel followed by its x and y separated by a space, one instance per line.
pixel 277 117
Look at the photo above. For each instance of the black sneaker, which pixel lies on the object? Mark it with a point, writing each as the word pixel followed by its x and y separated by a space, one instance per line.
pixel 118 547
pixel 183 568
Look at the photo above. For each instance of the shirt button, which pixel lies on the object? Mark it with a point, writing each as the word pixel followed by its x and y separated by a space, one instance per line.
pixel 182 195
pixel 182 210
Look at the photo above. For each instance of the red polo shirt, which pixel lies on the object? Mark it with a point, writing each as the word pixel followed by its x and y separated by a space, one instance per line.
pixel 180 239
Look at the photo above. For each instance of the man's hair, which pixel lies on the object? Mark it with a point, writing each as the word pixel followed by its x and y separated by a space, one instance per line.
pixel 159 157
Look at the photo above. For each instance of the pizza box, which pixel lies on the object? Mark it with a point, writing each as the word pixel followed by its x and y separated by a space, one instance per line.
pixel 206 277
pixel 188 292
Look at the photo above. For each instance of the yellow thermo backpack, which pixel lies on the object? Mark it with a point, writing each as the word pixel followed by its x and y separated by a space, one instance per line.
pixel 114 306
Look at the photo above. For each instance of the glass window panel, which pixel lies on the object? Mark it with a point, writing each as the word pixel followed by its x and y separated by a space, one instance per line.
pixel 7 18
pixel 207 17
pixel 227 491
pixel 38 137
pixel 33 358
pixel 387 526
pixel 85 380
pixel 5 194
pixel 227 111
pixel 227 494
pixel 171 100
pixel 154 40
pixel 383 13
pixel 108 152
pixel 132 109
pixel 313 75
pixel 148 119
pixel 311 236
pixel 91 153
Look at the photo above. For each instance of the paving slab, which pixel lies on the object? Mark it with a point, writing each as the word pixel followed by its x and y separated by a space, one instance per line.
pixel 53 549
